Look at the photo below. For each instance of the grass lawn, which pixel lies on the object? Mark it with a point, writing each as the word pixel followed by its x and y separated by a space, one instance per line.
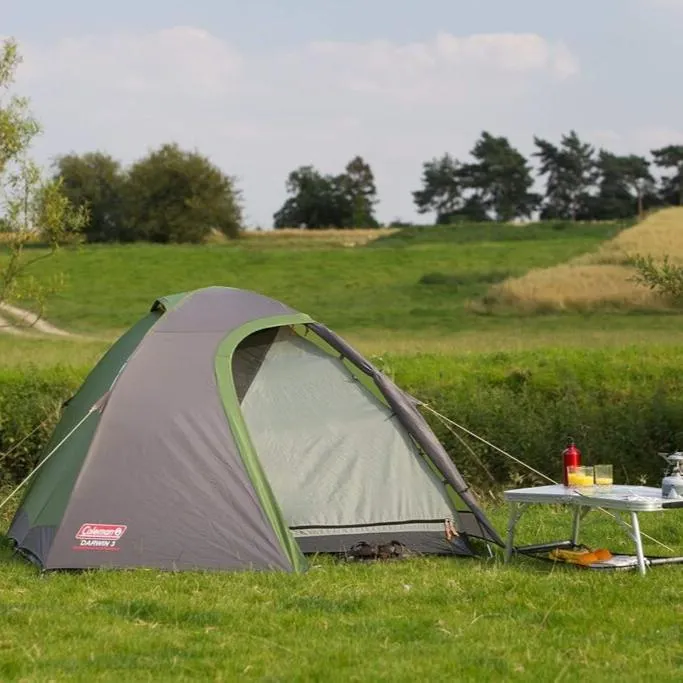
pixel 422 619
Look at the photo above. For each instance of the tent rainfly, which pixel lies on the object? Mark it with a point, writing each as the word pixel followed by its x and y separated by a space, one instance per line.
pixel 225 430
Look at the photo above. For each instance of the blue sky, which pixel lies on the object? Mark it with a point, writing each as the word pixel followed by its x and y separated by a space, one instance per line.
pixel 265 86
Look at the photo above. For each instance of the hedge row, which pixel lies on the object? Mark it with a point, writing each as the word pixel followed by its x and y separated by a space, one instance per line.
pixel 621 407
pixel 30 404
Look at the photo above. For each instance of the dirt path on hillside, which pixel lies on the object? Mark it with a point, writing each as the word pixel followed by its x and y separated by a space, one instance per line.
pixel 20 322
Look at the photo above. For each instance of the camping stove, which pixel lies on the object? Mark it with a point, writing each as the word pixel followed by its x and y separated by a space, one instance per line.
pixel 672 484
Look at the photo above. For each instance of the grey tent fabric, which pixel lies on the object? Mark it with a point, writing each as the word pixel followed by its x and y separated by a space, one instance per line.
pixel 474 522
pixel 163 461
pixel 335 456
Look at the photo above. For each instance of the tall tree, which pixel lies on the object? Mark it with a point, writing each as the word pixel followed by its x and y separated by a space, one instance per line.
pixel 30 206
pixel 178 196
pixel 316 201
pixel 95 181
pixel 640 181
pixel 360 188
pixel 571 173
pixel 442 190
pixel 500 179
pixel 671 158
pixel 625 185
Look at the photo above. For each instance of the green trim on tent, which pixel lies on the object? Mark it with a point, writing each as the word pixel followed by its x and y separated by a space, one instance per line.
pixel 228 393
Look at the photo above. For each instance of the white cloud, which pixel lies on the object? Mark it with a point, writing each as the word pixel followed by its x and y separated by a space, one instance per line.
pixel 182 60
pixel 259 116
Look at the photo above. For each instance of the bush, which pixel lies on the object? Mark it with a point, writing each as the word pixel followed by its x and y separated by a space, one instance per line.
pixel 30 405
pixel 666 278
pixel 622 407
pixel 455 280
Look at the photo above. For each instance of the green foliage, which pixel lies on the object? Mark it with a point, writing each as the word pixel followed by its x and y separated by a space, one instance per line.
pixel 626 187
pixel 665 278
pixel 455 280
pixel 671 157
pixel 17 126
pixel 96 182
pixel 496 186
pixel 30 401
pixel 442 189
pixel 168 196
pixel 359 186
pixel 320 201
pixel 500 179
pixel 570 172
pixel 30 206
pixel 622 407
pixel 177 196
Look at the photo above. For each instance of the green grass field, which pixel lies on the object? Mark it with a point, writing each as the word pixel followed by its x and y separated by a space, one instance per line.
pixel 403 299
pixel 421 619
pixel 378 288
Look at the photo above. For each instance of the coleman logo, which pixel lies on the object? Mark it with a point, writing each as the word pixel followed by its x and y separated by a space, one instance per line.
pixel 103 532
pixel 99 536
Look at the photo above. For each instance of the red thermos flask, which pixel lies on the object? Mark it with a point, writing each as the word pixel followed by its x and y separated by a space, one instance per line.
pixel 571 456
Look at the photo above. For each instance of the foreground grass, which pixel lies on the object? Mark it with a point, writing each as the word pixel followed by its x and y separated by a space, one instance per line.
pixel 423 619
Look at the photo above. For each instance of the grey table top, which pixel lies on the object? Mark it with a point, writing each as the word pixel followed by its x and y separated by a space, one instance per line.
pixel 617 497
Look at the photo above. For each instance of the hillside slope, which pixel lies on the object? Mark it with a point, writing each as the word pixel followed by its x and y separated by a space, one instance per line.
pixel 600 280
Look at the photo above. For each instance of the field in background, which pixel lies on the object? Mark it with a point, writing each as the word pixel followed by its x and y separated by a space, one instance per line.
pixel 601 280
pixel 415 282
pixel 309 239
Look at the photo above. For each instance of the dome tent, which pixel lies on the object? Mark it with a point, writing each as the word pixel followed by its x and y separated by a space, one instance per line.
pixel 225 430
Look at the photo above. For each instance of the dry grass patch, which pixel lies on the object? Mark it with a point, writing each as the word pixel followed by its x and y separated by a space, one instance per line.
pixel 575 287
pixel 659 235
pixel 600 280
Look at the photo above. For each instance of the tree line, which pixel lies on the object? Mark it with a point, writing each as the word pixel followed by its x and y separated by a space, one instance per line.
pixel 169 195
pixel 172 195
pixel 579 182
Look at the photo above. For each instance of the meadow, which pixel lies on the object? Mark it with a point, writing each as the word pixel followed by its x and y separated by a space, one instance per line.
pixel 603 279
pixel 523 378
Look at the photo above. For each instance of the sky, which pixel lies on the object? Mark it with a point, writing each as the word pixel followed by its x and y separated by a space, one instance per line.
pixel 264 86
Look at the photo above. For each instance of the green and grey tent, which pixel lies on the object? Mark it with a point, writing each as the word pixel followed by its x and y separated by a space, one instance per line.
pixel 225 430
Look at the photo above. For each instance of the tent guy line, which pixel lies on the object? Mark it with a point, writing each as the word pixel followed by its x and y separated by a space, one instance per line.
pixel 447 421
pixel 49 455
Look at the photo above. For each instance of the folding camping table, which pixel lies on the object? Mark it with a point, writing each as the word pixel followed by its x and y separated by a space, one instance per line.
pixel 619 498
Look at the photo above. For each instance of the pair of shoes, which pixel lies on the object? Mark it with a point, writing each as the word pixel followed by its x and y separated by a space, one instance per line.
pixel 387 551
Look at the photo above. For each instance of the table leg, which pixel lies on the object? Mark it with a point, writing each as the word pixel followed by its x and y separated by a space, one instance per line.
pixel 635 524
pixel 516 510
pixel 576 525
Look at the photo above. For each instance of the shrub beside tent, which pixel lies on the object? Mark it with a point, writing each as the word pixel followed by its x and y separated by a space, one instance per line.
pixel 227 431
